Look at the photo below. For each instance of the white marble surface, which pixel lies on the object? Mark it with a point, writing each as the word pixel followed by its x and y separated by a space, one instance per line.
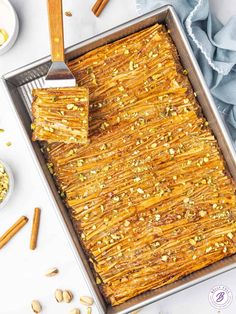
pixel 21 270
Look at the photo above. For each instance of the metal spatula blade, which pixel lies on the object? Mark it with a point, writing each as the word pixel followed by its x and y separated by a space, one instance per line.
pixel 59 75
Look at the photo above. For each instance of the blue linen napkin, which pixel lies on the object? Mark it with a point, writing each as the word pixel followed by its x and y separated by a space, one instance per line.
pixel 214 46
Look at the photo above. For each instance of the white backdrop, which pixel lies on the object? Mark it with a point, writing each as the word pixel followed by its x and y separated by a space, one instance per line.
pixel 21 270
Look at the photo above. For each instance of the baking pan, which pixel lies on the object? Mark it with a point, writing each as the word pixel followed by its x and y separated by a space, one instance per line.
pixel 18 85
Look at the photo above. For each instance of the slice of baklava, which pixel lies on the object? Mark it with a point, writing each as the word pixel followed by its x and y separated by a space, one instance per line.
pixel 60 115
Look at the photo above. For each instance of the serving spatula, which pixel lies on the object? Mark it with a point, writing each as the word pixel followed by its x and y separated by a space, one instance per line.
pixel 59 75
pixel 60 110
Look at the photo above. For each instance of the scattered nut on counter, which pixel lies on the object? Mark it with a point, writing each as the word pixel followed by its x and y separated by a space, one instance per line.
pixel 75 311
pixel 51 272
pixel 86 300
pixel 68 13
pixel 67 296
pixel 3 36
pixel 36 306
pixel 58 295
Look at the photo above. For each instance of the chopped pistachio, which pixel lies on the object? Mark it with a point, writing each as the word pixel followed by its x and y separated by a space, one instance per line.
pixel 186 200
pixel 137 179
pixel 208 249
pixel 202 213
pixel 4 183
pixel 126 223
pixel 103 147
pixel 70 106
pixel 164 258
pixel 3 36
pixel 171 151
pixel 140 191
pixel 54 98
pixel 186 101
pixel 157 217
pixel 80 162
pixel 104 125
pixel 121 88
pixel 230 235
pixel 115 72
pixel 116 198
pixel 131 65
pixel 82 177
pixel 192 242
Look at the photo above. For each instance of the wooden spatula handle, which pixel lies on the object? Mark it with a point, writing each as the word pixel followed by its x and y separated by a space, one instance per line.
pixel 56 29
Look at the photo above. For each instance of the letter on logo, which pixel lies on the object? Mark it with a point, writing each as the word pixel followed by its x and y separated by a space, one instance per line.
pixel 220 296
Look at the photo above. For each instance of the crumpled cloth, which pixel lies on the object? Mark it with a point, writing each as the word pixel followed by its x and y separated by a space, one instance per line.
pixel 214 46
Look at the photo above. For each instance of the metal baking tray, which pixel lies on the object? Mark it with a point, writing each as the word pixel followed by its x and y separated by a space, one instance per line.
pixel 18 85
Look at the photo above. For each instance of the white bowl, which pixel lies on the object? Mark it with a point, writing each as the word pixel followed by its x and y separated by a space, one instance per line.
pixel 9 22
pixel 11 184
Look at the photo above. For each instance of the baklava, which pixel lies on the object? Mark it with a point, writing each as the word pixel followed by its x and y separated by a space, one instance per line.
pixel 150 196
pixel 60 115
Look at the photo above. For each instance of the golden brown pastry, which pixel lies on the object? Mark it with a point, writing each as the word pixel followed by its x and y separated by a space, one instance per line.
pixel 60 115
pixel 150 197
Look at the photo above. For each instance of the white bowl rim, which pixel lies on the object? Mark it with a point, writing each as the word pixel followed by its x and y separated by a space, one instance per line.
pixel 11 183
pixel 15 26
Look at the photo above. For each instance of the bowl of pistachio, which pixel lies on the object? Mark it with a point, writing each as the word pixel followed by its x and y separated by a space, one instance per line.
pixel 6 183
pixel 9 26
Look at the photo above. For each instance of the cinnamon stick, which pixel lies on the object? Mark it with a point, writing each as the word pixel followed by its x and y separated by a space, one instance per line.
pixel 96 6
pixel 35 229
pixel 6 237
pixel 99 6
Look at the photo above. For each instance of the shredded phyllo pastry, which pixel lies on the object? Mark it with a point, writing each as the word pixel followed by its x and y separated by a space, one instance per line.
pixel 60 115
pixel 149 196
